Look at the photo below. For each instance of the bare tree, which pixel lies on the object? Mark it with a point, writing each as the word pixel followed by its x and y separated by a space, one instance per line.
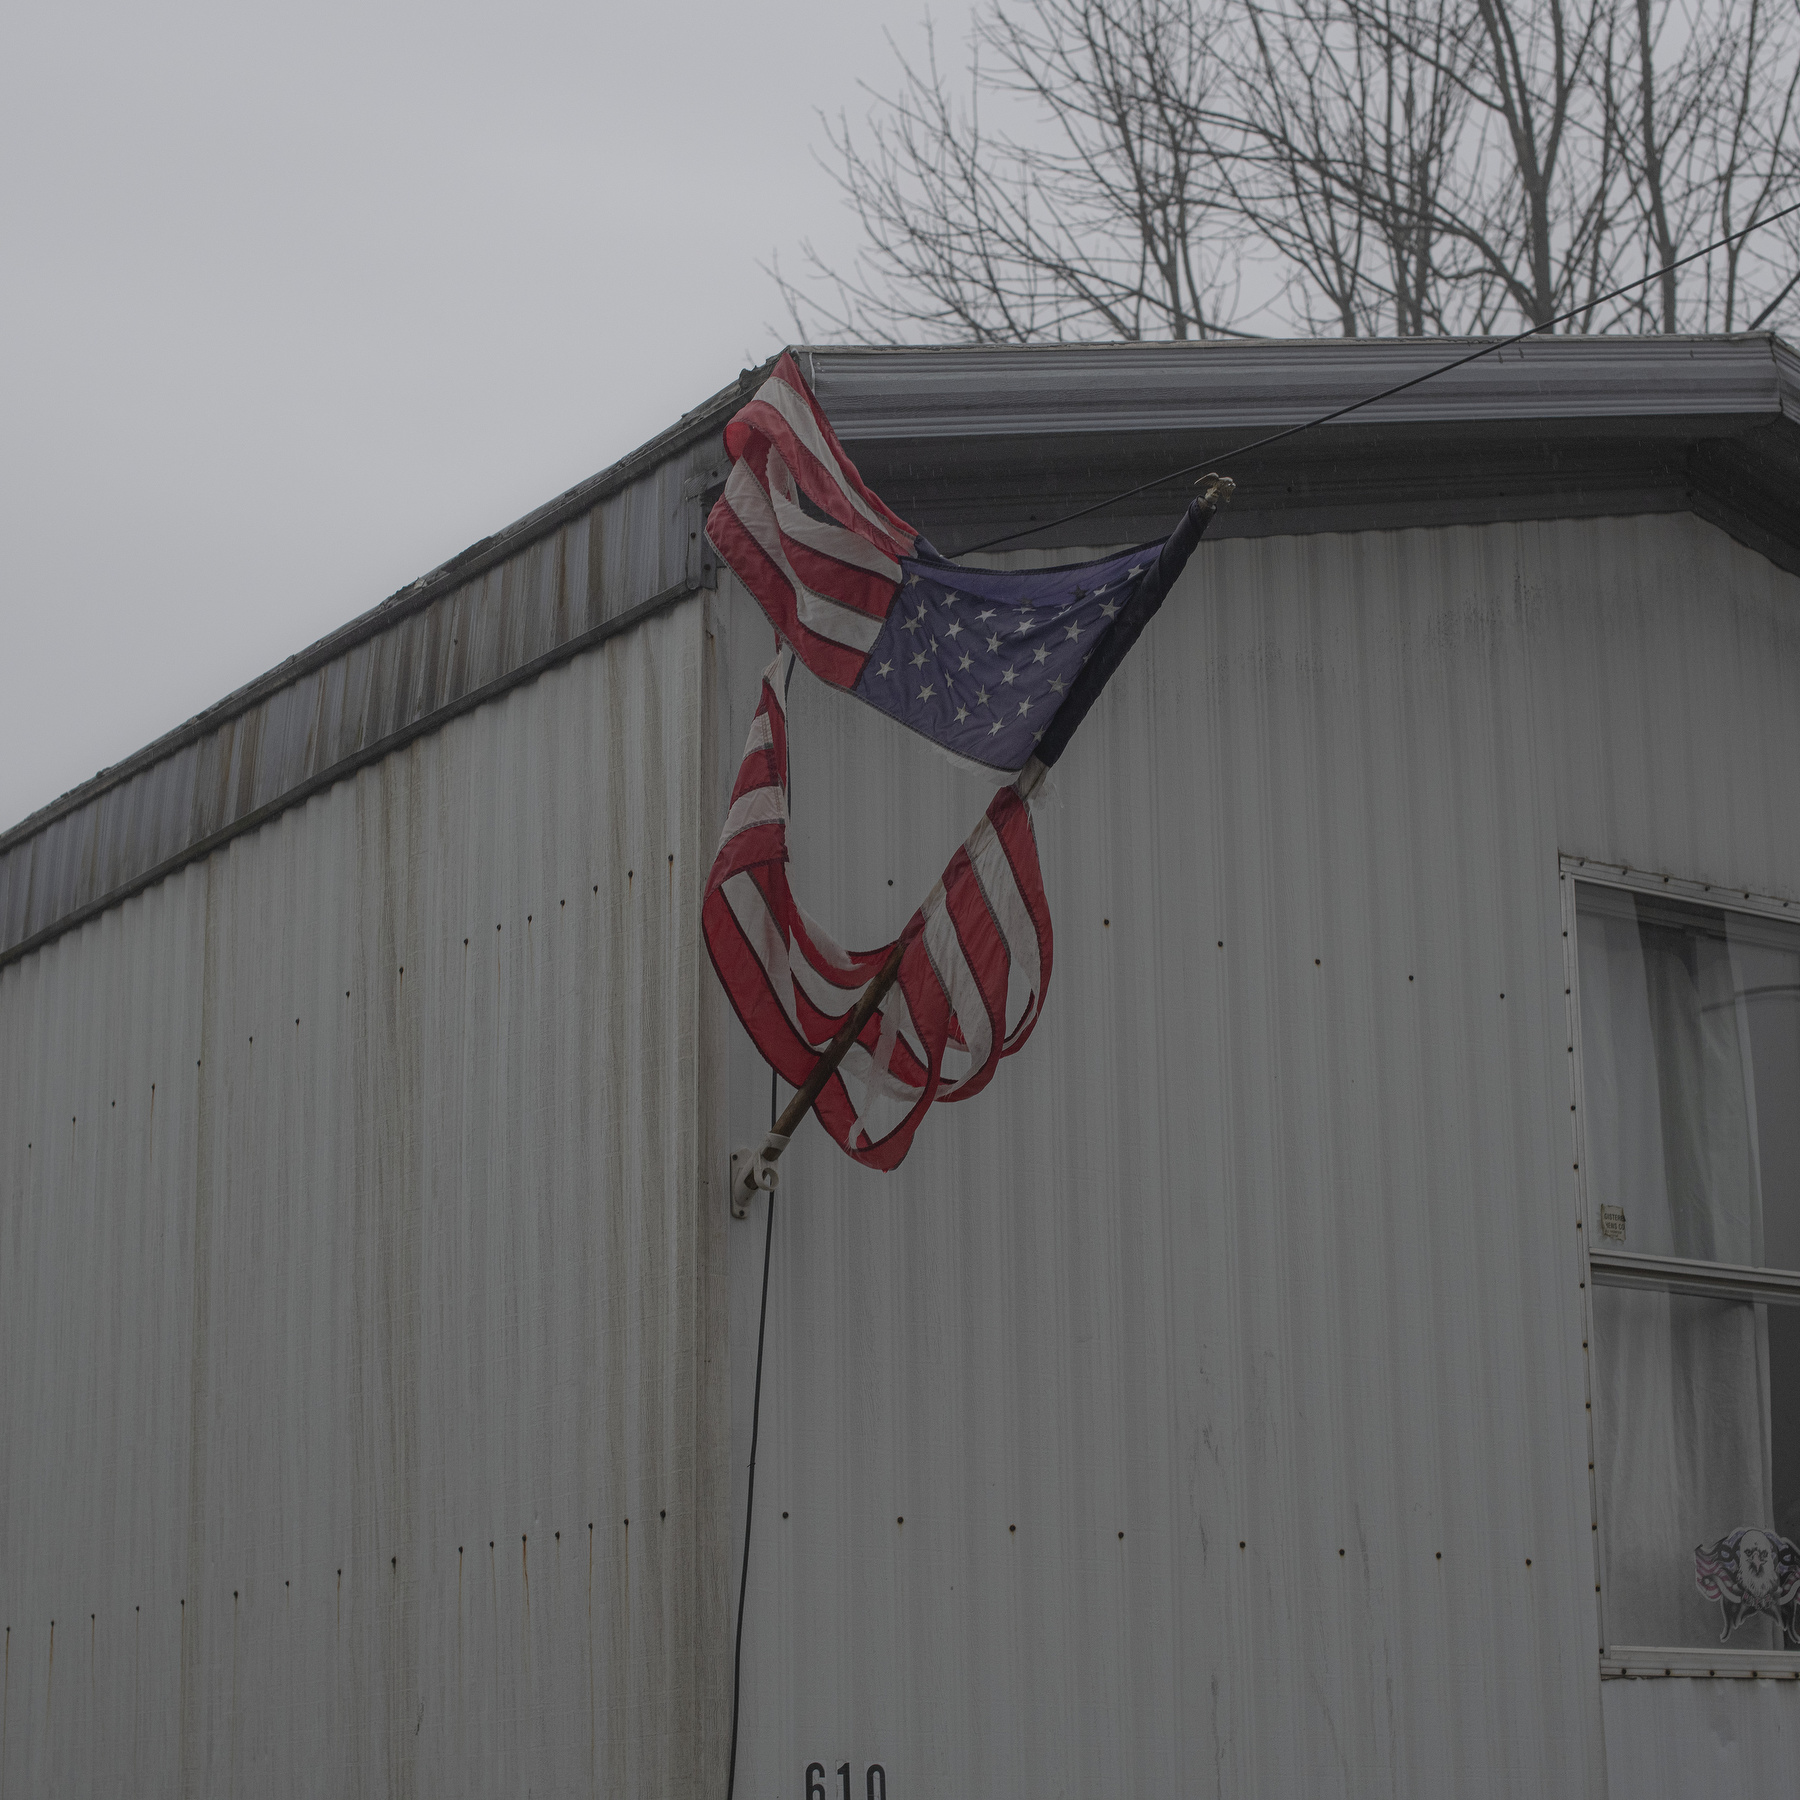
pixel 1345 122
pixel 1102 224
pixel 1705 99
pixel 1533 214
pixel 1387 165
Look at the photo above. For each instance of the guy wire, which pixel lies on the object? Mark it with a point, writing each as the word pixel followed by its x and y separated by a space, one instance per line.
pixel 762 1321
pixel 1399 387
pixel 737 1655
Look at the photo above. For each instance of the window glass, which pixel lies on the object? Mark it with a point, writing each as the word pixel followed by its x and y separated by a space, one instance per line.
pixel 1697 1449
pixel 1767 959
pixel 1690 1020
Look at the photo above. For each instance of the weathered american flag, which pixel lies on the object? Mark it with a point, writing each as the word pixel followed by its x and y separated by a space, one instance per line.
pixel 998 666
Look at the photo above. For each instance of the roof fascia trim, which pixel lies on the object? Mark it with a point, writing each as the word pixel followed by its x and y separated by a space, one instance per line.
pixel 1252 387
pixel 1787 375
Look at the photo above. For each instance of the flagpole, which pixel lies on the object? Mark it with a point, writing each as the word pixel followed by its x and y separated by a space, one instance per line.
pixel 754 1169
pixel 872 996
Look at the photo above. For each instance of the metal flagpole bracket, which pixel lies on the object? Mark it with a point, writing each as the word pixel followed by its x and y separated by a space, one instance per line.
pixel 752 1169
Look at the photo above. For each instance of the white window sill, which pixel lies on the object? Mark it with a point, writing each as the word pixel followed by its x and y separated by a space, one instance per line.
pixel 1629 1662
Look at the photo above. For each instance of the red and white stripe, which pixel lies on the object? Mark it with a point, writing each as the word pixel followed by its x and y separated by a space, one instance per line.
pixel 972 978
pixel 825 583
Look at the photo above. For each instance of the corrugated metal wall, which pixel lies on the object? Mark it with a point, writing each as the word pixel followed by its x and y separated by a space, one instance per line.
pixel 356 1285
pixel 1266 1240
pixel 1224 1361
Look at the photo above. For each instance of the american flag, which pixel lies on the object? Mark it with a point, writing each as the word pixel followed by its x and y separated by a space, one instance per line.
pixel 981 661
pixel 997 666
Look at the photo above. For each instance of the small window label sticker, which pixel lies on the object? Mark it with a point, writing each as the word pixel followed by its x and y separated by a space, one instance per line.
pixel 1612 1224
pixel 1751 1572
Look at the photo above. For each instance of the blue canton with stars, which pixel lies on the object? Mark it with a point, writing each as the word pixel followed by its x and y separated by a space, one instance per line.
pixel 979 660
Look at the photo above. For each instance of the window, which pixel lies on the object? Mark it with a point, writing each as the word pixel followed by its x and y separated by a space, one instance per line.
pixel 1689 1105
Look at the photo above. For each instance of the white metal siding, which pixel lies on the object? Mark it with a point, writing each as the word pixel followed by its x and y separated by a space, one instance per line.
pixel 309 1266
pixel 1269 1233
pixel 1668 1740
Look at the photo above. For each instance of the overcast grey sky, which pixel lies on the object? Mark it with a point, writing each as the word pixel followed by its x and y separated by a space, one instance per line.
pixel 298 300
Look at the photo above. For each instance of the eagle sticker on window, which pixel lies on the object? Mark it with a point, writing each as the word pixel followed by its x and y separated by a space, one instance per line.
pixel 1752 1572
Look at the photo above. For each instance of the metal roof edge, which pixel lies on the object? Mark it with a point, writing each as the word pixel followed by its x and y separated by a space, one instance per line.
pixel 904 393
pixel 1787 374
pixel 465 566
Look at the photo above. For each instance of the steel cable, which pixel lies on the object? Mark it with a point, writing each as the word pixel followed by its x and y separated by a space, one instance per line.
pixel 737 1658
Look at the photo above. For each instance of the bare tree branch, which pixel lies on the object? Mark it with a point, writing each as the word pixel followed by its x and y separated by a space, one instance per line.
pixel 1398 166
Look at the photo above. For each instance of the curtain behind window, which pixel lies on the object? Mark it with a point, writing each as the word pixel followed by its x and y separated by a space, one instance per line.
pixel 1682 1401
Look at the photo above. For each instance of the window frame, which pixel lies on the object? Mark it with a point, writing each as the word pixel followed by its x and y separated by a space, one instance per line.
pixel 1666 1274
